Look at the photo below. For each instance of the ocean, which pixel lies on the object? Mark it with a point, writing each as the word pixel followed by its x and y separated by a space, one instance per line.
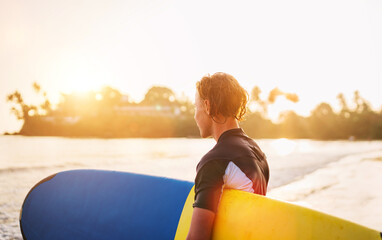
pixel 26 160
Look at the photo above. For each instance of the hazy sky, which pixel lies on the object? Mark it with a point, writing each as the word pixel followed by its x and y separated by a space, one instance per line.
pixel 316 49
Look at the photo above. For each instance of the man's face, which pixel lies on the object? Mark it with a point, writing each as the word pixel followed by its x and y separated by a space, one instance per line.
pixel 202 118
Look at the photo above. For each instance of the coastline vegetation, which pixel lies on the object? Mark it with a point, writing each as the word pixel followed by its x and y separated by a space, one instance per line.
pixel 110 114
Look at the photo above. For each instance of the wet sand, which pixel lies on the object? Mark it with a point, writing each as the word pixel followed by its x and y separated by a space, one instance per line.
pixel 350 188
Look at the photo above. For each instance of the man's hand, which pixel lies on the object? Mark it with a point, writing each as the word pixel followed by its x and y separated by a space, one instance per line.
pixel 201 224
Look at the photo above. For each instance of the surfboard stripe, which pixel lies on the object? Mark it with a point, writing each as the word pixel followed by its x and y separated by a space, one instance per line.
pixel 185 219
pixel 88 204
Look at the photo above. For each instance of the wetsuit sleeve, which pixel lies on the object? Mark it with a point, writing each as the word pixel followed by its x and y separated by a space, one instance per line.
pixel 209 185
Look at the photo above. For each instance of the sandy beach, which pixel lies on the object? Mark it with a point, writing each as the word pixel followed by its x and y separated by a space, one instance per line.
pixel 349 189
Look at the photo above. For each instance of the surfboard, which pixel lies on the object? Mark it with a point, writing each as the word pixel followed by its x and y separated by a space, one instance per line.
pixel 96 204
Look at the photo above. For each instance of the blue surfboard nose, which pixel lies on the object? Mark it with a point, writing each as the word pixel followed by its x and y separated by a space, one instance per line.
pixel 95 204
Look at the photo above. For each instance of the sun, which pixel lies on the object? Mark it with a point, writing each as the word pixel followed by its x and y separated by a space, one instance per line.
pixel 84 85
pixel 80 73
pixel 83 81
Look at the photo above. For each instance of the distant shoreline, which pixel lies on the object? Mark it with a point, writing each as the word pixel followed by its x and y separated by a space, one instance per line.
pixel 95 137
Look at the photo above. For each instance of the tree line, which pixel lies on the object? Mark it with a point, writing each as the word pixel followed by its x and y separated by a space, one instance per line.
pixel 111 114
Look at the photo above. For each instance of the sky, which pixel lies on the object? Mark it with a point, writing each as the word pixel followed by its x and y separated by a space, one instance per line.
pixel 316 49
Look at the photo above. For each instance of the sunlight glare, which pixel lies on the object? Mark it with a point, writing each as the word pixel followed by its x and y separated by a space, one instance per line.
pixel 282 104
pixel 99 97
pixel 80 83
pixel 305 146
pixel 80 74
pixel 283 146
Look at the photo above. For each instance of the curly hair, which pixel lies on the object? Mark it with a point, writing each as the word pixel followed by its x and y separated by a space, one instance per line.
pixel 225 95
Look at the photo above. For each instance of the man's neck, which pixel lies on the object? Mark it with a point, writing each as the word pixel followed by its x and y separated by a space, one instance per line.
pixel 219 128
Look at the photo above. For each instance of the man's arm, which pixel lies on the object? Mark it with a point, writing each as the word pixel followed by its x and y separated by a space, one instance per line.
pixel 201 224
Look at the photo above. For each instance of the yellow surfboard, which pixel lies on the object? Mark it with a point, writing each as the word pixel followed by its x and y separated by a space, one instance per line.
pixel 243 215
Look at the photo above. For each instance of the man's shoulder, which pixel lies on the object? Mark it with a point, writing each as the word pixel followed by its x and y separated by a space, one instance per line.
pixel 228 149
pixel 214 154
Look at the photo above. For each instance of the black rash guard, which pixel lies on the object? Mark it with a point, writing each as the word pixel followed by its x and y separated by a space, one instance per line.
pixel 235 162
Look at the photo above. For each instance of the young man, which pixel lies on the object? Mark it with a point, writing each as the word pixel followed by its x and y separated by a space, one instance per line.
pixel 235 162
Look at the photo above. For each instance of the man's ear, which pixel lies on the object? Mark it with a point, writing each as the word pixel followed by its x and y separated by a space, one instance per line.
pixel 207 106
